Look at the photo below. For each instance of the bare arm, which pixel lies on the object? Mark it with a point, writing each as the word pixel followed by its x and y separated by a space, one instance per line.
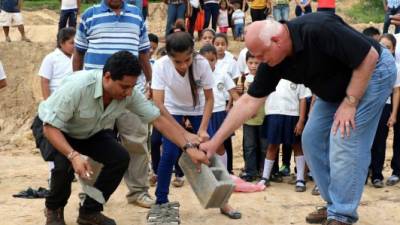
pixel 77 60
pixel 44 84
pixel 59 142
pixel 78 3
pixel 302 116
pixel 345 114
pixel 208 108
pixel 395 107
pixel 3 83
pixel 234 95
pixel 362 74
pixel 158 98
pixel 385 5
pixel 243 110
pixel 144 59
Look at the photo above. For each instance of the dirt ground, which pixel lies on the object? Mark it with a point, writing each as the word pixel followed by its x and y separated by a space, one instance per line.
pixel 21 166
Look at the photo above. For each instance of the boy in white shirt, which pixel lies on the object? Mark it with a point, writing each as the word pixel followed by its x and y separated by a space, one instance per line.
pixel 238 21
pixel 3 81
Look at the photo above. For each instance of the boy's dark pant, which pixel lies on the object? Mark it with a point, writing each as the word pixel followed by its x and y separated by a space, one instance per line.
pixel 254 148
pixel 258 14
pixel 68 15
pixel 102 147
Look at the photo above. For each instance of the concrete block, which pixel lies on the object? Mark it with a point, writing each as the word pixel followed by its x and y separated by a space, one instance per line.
pixel 213 186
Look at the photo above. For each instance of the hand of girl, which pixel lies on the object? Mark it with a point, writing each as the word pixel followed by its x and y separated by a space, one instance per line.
pixel 299 128
pixel 392 120
pixel 203 135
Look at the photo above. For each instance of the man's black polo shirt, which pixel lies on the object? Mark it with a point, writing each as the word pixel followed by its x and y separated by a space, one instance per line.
pixel 325 52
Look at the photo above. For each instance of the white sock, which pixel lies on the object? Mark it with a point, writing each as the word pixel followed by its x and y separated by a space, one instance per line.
pixel 300 165
pixel 224 159
pixel 268 164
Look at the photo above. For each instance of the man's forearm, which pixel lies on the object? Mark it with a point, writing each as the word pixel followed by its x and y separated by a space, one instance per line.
pixel 57 139
pixel 169 129
pixel 144 59
pixel 362 74
pixel 77 60
pixel 395 101
pixel 243 110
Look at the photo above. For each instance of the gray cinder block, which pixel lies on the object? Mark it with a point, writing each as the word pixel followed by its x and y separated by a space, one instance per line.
pixel 213 186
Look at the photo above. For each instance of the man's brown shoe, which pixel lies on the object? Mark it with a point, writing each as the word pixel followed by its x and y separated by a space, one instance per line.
pixel 318 216
pixel 334 222
pixel 96 218
pixel 54 217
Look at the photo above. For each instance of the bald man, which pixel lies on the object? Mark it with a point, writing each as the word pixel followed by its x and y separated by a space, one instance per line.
pixel 352 77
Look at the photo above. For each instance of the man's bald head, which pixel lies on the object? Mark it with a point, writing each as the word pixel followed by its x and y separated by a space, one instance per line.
pixel 260 33
pixel 268 41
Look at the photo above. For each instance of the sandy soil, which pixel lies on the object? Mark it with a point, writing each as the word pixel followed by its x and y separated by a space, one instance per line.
pixel 22 166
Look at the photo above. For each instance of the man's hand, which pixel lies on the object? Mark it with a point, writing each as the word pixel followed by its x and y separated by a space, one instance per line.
pixel 392 120
pixel 82 167
pixel 344 119
pixel 198 157
pixel 395 19
pixel 209 148
pixel 298 129
pixel 203 135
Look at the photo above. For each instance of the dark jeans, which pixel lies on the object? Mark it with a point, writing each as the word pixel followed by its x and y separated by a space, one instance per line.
pixel 211 10
pixel 174 12
pixel 229 153
pixel 156 142
pixel 386 24
pixel 307 9
pixel 69 16
pixel 378 150
pixel 102 147
pixel 258 14
pixel 192 21
pixel 254 148
pixel 145 12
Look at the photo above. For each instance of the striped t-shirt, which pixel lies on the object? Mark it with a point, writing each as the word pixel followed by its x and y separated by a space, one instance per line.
pixel 102 32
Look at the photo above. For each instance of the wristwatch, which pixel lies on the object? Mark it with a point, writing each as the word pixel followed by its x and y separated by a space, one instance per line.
pixel 189 145
pixel 351 100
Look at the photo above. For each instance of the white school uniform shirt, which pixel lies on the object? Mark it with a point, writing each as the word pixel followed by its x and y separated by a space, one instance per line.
pixel 55 67
pixel 241 62
pixel 177 94
pixel 238 17
pixel 68 4
pixel 2 73
pixel 396 84
pixel 397 50
pixel 228 65
pixel 285 100
pixel 222 84
pixel 223 18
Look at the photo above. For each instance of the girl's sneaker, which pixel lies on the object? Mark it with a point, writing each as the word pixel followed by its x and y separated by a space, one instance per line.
pixel 315 190
pixel 178 182
pixel 300 186
pixel 392 180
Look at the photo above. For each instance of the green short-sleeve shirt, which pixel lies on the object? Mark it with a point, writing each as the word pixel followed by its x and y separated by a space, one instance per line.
pixel 76 107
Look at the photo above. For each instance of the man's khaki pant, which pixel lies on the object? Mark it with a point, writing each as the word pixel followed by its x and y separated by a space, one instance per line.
pixel 134 137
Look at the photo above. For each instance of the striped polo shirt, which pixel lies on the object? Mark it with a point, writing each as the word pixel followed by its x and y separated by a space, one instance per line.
pixel 102 32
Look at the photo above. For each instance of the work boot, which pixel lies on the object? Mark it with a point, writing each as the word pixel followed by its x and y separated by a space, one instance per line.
pixel 54 217
pixel 96 218
pixel 318 216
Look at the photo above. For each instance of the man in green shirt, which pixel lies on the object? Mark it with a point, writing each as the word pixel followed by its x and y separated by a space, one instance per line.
pixel 79 117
